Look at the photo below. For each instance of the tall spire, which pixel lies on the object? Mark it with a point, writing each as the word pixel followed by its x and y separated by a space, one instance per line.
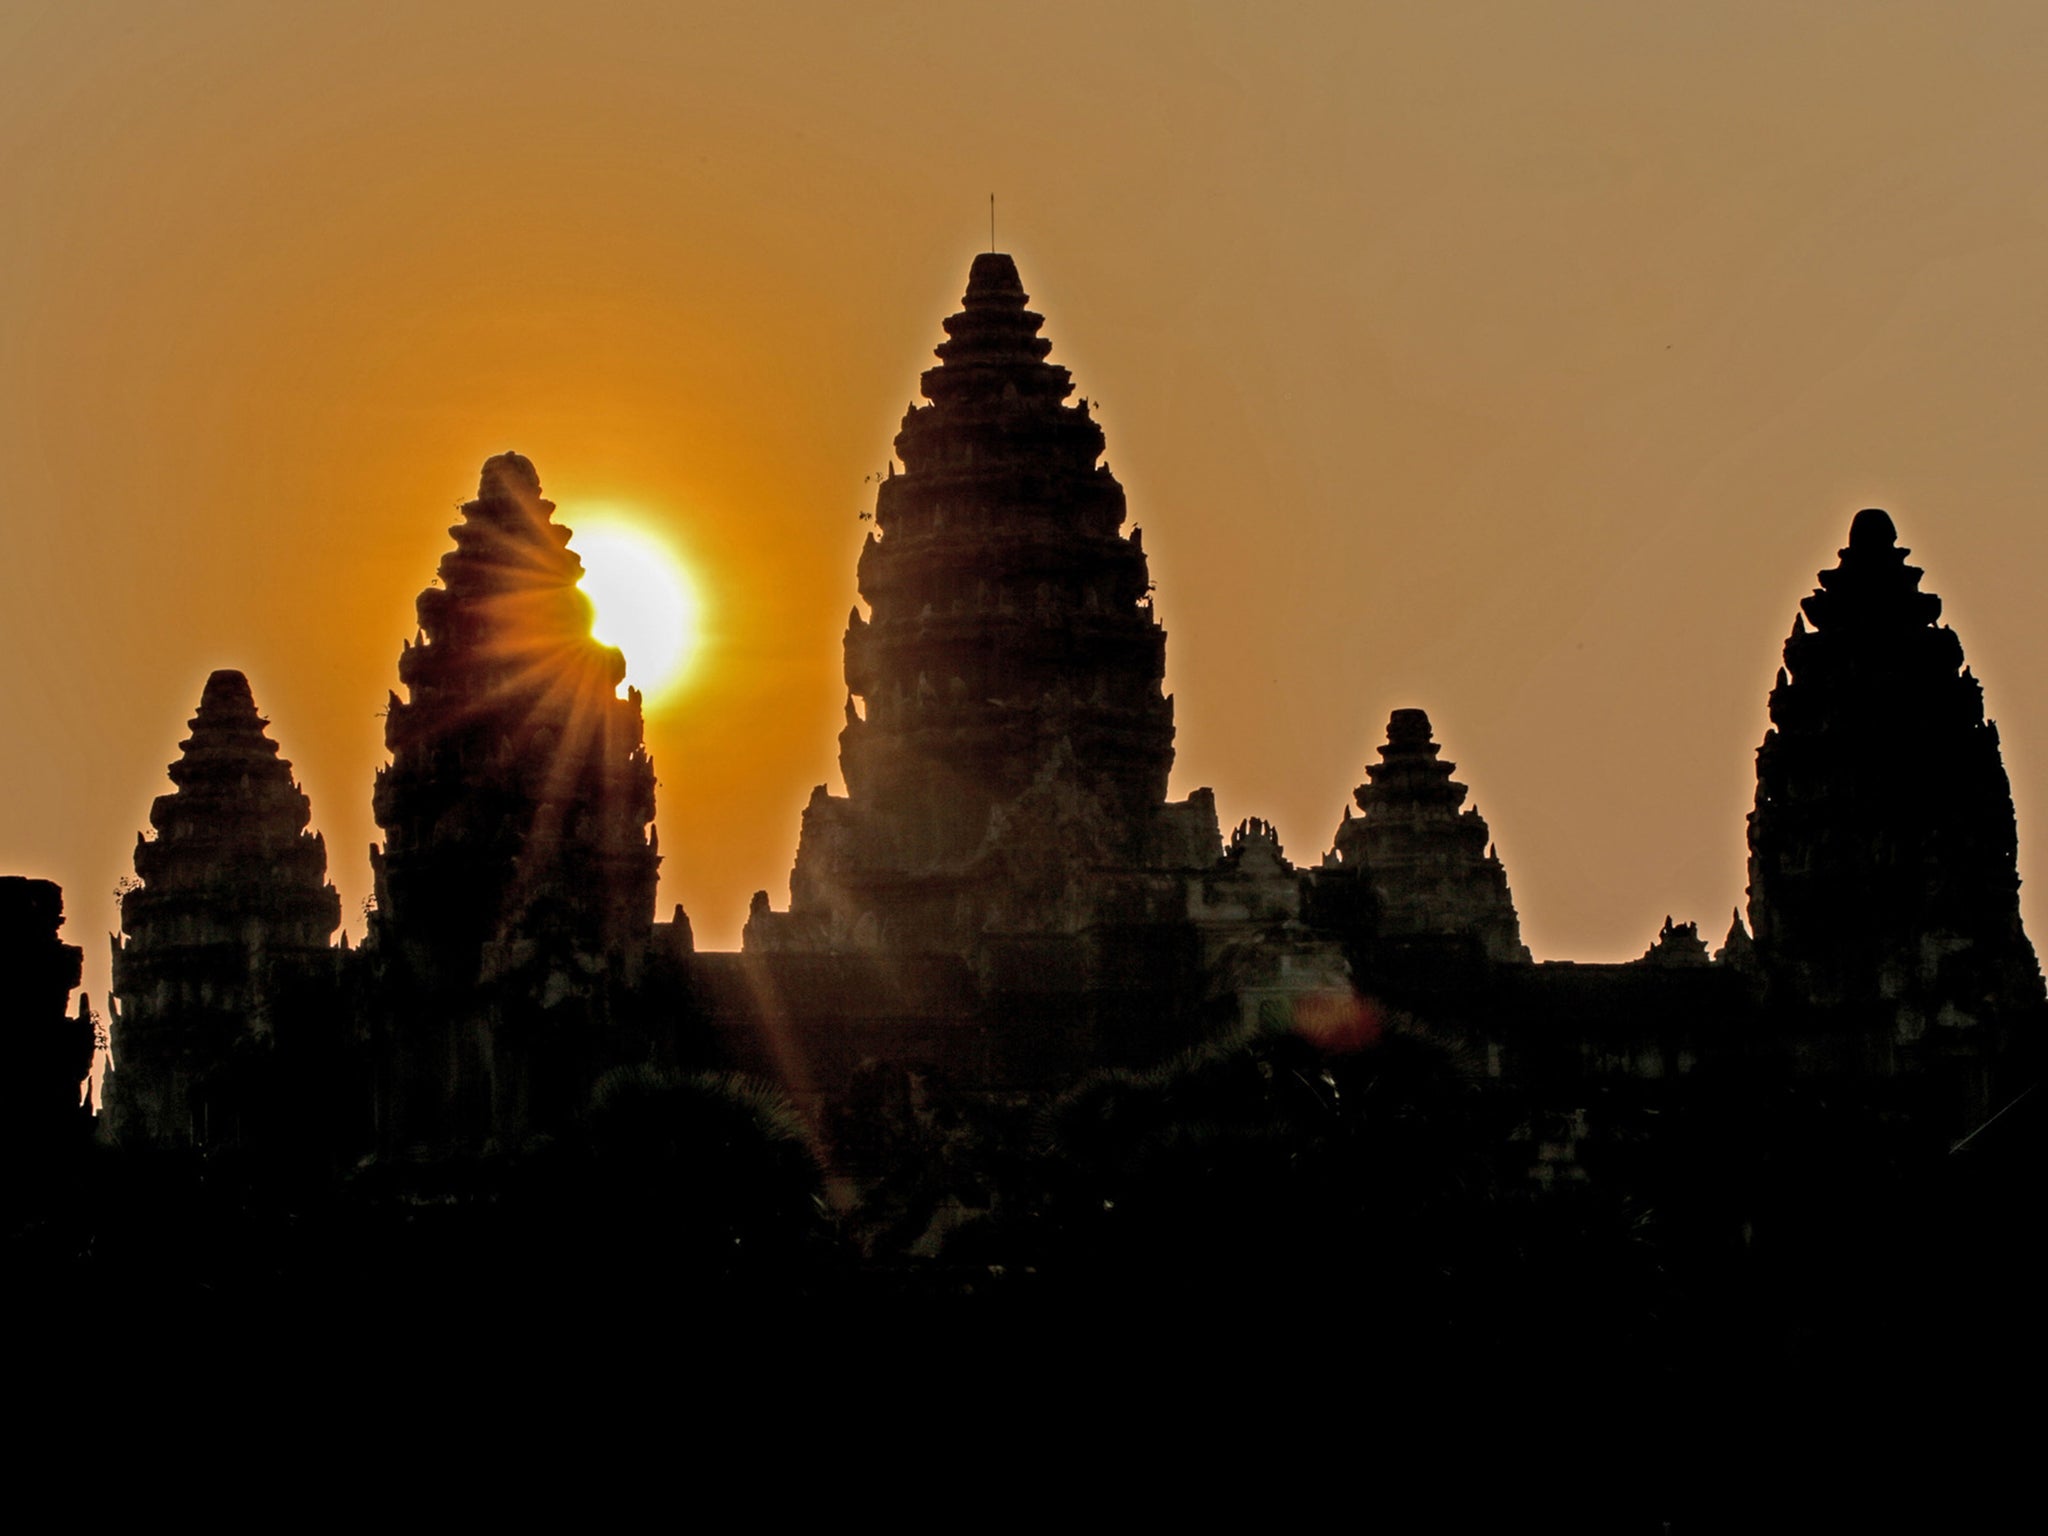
pixel 519 792
pixel 1883 855
pixel 1009 670
pixel 231 841
pixel 233 900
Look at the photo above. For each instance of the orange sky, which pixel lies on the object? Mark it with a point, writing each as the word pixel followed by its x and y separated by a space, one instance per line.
pixel 1521 362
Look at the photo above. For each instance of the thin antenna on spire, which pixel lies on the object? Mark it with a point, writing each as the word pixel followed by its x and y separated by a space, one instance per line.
pixel 991 223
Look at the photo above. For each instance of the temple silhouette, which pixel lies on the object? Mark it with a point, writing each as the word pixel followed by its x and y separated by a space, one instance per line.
pixel 1004 914
pixel 515 885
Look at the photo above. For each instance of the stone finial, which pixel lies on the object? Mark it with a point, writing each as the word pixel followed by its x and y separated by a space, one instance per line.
pixel 227 693
pixel 508 476
pixel 1409 728
pixel 1872 529
pixel 993 283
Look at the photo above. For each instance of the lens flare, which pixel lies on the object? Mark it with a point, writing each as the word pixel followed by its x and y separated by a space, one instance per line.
pixel 646 604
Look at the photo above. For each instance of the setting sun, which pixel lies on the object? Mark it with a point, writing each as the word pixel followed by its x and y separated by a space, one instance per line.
pixel 645 602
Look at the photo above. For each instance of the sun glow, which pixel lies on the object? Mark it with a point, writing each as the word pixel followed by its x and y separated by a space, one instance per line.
pixel 646 604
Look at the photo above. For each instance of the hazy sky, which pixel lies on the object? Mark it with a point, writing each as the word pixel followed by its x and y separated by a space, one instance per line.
pixel 1520 361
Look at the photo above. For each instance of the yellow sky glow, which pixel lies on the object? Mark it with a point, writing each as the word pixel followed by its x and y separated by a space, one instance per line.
pixel 1521 363
pixel 645 600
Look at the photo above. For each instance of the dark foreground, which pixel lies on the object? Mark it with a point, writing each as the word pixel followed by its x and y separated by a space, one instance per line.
pixel 1254 1241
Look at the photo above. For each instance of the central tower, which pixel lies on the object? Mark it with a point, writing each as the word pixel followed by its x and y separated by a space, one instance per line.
pixel 1011 732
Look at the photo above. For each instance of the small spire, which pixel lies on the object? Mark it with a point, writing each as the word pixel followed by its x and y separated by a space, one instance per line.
pixel 509 475
pixel 1409 727
pixel 227 693
pixel 1872 529
pixel 993 283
